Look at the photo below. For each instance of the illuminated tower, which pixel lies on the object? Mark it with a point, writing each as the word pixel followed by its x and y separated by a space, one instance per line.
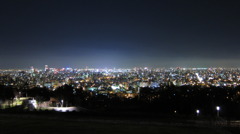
pixel 46 68
pixel 32 69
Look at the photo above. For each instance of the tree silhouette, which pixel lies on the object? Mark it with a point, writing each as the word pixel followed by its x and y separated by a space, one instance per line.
pixel 66 94
pixel 6 93
pixel 40 94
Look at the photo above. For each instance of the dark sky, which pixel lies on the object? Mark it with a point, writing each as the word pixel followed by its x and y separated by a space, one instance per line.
pixel 118 33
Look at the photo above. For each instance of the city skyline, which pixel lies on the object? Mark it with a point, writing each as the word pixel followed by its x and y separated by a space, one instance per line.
pixel 119 66
pixel 121 34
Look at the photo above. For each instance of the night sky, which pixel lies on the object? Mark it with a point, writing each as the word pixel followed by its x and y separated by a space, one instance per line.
pixel 118 33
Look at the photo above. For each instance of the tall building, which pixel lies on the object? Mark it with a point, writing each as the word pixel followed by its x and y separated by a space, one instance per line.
pixel 46 68
pixel 32 69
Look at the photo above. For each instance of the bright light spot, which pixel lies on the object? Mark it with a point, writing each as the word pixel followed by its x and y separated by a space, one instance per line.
pixel 34 103
pixel 114 87
pixel 218 108
pixel 65 109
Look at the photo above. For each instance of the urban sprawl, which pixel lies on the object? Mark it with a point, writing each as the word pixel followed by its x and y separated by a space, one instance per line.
pixel 124 84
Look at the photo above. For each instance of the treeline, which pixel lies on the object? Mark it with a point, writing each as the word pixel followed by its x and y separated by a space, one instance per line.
pixel 187 99
pixel 183 100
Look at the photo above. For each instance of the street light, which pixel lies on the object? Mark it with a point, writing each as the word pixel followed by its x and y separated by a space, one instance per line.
pixel 197 111
pixel 218 109
pixel 62 102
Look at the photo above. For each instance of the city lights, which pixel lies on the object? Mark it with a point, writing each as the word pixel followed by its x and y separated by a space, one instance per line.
pixel 119 66
pixel 141 84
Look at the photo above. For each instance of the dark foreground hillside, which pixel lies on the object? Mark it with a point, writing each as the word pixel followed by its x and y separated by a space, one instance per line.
pixel 61 124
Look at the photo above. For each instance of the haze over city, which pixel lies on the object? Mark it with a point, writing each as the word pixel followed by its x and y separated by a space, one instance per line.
pixel 119 66
pixel 121 34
